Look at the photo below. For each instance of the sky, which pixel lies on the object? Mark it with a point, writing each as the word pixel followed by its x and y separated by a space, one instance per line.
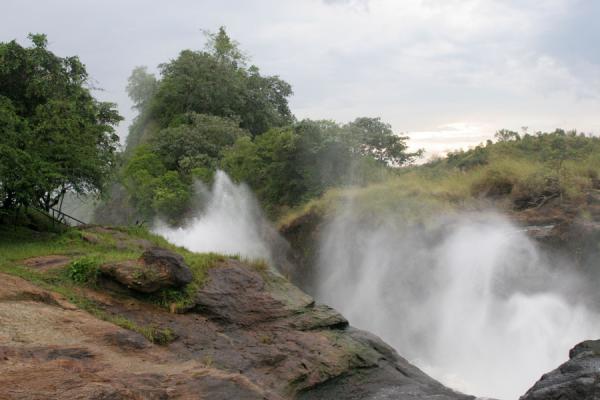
pixel 448 73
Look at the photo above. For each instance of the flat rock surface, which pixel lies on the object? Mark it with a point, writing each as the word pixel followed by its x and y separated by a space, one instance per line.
pixel 45 263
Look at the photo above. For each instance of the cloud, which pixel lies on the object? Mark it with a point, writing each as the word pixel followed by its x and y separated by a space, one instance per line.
pixel 420 65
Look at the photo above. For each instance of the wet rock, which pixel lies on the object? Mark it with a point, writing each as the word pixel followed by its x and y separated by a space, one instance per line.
pixel 251 335
pixel 156 269
pixel 319 316
pixel 576 379
pixel 307 347
pixel 223 389
pixel 235 293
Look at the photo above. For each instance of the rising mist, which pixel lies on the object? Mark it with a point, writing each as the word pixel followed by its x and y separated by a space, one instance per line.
pixel 229 221
pixel 471 300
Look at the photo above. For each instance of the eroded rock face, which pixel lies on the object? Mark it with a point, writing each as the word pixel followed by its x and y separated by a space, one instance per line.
pixel 237 294
pixel 577 379
pixel 251 335
pixel 156 269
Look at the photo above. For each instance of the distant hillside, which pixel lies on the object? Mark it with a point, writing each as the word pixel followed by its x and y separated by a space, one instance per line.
pixel 514 173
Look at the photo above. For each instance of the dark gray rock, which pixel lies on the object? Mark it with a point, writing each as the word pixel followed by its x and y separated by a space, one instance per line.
pixel 168 264
pixel 235 293
pixel 156 269
pixel 307 346
pixel 576 379
pixel 389 377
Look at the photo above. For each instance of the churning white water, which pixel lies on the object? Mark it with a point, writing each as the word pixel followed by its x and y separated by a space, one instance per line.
pixel 229 222
pixel 472 302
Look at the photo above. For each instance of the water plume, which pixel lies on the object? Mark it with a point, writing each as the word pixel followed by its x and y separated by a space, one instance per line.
pixel 229 221
pixel 471 300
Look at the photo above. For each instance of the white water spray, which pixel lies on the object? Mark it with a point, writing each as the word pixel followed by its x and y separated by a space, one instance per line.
pixel 474 304
pixel 231 222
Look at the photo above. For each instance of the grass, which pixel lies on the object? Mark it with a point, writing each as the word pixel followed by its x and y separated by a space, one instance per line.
pixel 157 335
pixel 516 174
pixel 18 244
pixel 59 282
pixel 411 197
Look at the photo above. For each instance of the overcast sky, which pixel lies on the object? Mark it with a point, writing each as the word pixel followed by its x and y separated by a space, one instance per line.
pixel 447 72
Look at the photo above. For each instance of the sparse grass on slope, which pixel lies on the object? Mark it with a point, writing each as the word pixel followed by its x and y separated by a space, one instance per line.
pixel 71 281
pixel 516 174
pixel 411 196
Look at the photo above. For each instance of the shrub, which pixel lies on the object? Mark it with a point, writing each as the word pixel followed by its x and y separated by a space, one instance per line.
pixel 494 183
pixel 84 270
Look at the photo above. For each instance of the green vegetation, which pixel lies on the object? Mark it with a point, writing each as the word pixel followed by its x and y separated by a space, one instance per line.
pixel 54 136
pixel 203 102
pixel 515 172
pixel 210 110
pixel 82 273
pixel 288 166
pixel 531 169
pixel 154 334
pixel 84 270
pixel 216 81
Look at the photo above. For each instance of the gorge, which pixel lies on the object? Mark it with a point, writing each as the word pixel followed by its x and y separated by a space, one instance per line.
pixel 471 298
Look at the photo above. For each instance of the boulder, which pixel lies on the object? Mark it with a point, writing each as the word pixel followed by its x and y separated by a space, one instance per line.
pixel 576 379
pixel 156 269
pixel 235 293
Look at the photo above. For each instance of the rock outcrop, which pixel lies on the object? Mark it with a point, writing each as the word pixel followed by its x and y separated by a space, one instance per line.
pixel 250 335
pixel 576 379
pixel 156 269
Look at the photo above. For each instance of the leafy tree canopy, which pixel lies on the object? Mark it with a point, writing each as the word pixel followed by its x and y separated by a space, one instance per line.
pixel 214 81
pixel 141 86
pixel 55 137
pixel 372 137
pixel 210 110
pixel 286 166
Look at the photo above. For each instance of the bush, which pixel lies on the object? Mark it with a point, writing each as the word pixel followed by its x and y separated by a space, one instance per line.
pixel 84 270
pixel 494 183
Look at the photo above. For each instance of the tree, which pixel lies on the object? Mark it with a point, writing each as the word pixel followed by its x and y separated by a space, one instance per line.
pixel 197 142
pixel 268 166
pixel 325 158
pixel 56 136
pixel 216 82
pixel 372 137
pixel 141 86
pixel 223 48
pixel 154 189
pixel 506 135
pixel 202 104
pixel 286 166
pixel 17 182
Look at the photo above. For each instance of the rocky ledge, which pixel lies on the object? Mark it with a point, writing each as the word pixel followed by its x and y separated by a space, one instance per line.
pixel 576 379
pixel 250 334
